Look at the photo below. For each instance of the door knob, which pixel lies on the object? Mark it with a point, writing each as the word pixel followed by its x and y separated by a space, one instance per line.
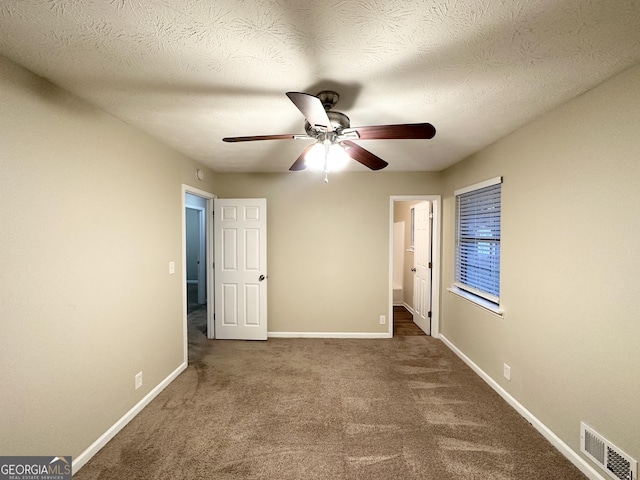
pixel 261 278
pixel 413 269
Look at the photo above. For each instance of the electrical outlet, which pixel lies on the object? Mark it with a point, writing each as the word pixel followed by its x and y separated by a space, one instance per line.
pixel 507 372
pixel 172 268
pixel 138 380
pixel 383 319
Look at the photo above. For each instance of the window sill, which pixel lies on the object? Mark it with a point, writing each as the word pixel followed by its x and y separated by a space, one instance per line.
pixel 479 301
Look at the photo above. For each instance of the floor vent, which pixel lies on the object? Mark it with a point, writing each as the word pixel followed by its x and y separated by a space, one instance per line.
pixel 614 461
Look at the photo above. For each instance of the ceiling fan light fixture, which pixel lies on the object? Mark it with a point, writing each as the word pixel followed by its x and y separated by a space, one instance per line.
pixel 336 158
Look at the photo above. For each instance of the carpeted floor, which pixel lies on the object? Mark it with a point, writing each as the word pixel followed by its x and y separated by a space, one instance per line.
pixel 401 408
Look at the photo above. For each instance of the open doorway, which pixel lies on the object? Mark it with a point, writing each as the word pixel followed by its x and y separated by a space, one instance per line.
pixel 197 264
pixel 196 261
pixel 414 262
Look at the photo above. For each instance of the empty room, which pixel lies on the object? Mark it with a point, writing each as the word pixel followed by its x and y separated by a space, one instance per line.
pixel 280 239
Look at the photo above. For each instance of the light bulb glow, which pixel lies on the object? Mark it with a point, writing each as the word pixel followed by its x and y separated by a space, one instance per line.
pixel 337 158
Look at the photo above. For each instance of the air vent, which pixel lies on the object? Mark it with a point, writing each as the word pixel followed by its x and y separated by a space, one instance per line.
pixel 614 461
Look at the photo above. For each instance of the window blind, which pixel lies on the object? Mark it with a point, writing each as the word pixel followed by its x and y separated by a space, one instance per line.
pixel 477 262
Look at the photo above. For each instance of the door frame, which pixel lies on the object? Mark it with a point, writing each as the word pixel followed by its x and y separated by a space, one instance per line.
pixel 436 255
pixel 209 248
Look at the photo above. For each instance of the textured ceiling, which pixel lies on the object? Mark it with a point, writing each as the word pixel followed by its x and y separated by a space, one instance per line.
pixel 190 72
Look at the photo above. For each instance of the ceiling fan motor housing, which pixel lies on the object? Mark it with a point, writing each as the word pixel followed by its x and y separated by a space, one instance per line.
pixel 339 121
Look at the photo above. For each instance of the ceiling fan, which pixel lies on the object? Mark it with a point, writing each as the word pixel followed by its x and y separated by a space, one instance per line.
pixel 332 129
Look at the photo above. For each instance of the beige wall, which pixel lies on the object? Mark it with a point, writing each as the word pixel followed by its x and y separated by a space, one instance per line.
pixel 570 254
pixel 90 217
pixel 328 244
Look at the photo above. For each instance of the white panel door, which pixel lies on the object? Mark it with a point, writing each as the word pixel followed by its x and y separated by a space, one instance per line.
pixel 422 266
pixel 240 233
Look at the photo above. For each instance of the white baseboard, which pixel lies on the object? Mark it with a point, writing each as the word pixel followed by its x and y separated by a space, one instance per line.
pixel 85 456
pixel 327 335
pixel 546 432
pixel 404 304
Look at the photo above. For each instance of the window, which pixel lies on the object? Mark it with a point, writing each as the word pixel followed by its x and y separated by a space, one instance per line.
pixel 477 254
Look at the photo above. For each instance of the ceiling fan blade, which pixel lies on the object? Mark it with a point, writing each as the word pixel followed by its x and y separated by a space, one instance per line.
pixel 261 137
pixel 404 131
pixel 312 109
pixel 363 156
pixel 300 164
